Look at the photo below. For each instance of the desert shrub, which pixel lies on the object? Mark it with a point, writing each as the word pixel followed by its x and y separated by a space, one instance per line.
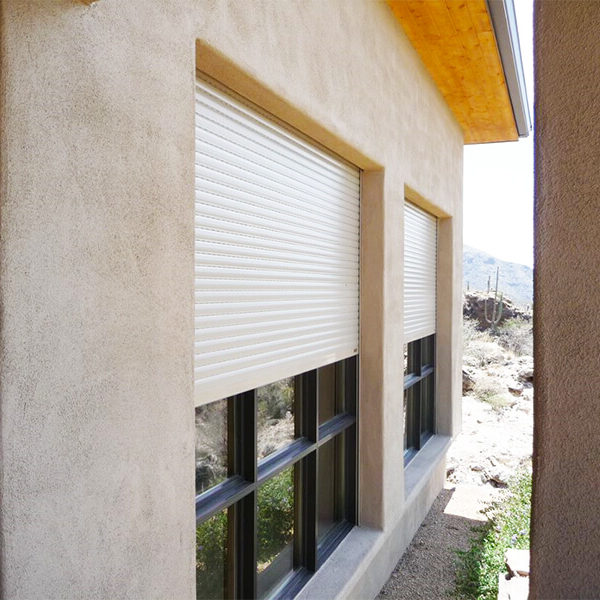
pixel 516 335
pixel 479 347
pixel 481 353
pixel 275 399
pixel 211 444
pixel 478 567
pixel 492 391
pixel 471 333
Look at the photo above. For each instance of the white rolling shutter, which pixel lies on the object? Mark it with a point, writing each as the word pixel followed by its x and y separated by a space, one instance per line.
pixel 276 251
pixel 420 259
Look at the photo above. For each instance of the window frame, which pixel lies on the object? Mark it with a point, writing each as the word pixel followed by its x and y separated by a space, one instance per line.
pixel 238 493
pixel 418 396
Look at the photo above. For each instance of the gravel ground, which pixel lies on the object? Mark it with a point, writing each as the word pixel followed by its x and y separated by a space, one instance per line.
pixel 490 439
pixel 426 571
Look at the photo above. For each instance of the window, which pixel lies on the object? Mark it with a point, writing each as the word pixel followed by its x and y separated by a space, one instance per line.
pixel 277 238
pixel 420 277
pixel 275 482
pixel 419 394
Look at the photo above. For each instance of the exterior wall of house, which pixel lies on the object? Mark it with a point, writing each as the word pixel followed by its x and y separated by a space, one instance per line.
pixel 565 556
pixel 96 272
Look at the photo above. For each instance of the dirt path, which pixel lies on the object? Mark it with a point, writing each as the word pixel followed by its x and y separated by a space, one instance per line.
pixel 491 447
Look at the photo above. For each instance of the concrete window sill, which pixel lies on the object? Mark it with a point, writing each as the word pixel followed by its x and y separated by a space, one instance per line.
pixel 422 465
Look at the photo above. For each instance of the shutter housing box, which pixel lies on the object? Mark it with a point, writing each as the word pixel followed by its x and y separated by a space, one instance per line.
pixel 276 250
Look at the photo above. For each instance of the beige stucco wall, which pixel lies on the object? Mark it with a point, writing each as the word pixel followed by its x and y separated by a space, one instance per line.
pixel 96 262
pixel 565 556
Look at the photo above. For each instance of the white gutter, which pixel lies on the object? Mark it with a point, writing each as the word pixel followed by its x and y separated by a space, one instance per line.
pixel 504 22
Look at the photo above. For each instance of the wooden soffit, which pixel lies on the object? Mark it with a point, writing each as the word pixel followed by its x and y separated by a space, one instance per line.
pixel 456 42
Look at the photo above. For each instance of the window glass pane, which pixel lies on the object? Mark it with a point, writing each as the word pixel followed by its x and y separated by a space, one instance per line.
pixel 275 530
pixel 211 557
pixel 427 394
pixel 275 418
pixel 326 488
pixel 211 444
pixel 331 485
pixel 411 417
pixel 427 351
pixel 413 364
pixel 332 391
pixel 405 359
pixel 326 382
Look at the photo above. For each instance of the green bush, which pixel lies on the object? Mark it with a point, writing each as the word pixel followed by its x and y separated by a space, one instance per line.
pixel 275 515
pixel 275 531
pixel 211 557
pixel 478 568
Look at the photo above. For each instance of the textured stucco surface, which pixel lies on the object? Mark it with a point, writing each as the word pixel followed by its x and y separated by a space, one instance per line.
pixel 96 255
pixel 96 265
pixel 565 557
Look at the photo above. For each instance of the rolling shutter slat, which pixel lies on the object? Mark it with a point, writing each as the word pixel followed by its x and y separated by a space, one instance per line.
pixel 276 251
pixel 420 258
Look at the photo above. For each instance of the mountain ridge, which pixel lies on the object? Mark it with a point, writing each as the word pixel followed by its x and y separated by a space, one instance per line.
pixel 515 281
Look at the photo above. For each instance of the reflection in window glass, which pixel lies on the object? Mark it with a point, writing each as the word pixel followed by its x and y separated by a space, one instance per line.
pixel 411 417
pixel 332 391
pixel 211 558
pixel 275 530
pixel 413 364
pixel 331 485
pixel 427 411
pixel 275 418
pixel 327 517
pixel 211 445
pixel 427 351
pixel 326 379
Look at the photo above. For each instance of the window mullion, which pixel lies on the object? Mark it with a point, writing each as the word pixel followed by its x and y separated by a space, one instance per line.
pixel 351 451
pixel 307 481
pixel 310 405
pixel 244 544
pixel 419 413
pixel 308 494
pixel 245 439
pixel 351 384
pixel 351 474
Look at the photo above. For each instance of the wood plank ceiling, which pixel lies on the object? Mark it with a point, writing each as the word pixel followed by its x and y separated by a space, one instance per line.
pixel 456 42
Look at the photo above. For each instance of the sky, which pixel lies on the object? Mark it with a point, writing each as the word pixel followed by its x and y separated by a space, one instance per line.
pixel 498 178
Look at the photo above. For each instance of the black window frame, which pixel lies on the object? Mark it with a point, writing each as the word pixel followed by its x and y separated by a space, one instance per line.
pixel 419 395
pixel 238 493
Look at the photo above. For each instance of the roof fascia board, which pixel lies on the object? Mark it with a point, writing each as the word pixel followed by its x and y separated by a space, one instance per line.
pixel 504 22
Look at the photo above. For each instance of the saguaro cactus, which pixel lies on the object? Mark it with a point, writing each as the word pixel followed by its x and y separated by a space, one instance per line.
pixel 496 315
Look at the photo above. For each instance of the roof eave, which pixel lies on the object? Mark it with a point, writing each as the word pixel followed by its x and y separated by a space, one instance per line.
pixel 504 22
